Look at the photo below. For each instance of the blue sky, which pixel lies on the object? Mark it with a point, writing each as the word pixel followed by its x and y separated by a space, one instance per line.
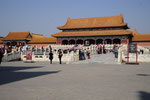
pixel 43 16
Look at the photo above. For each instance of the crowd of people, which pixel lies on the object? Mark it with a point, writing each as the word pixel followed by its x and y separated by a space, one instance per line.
pixel 102 50
pixel 4 49
pixel 83 53
pixel 60 54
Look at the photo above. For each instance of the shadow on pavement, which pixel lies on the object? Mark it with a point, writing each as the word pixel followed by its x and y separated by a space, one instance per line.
pixel 8 74
pixel 143 74
pixel 144 95
pixel 15 68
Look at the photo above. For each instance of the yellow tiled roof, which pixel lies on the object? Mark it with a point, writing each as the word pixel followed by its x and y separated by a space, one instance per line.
pixel 17 36
pixel 42 39
pixel 112 21
pixel 134 32
pixel 92 33
pixel 141 37
pixel 1 40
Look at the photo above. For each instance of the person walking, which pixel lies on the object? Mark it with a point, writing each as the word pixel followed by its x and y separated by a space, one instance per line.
pixel 100 49
pixel 60 55
pixel 116 51
pixel 104 50
pixel 1 56
pixel 88 53
pixel 50 56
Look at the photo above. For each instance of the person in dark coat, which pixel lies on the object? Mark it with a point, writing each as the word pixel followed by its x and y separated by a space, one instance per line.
pixel 51 56
pixel 60 55
pixel 104 50
pixel 1 56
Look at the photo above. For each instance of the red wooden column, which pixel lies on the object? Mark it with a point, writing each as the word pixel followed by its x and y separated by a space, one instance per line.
pixel 10 44
pixel 61 42
pixel 103 41
pixel 68 42
pixel 136 53
pixel 95 41
pixel 83 42
pixel 24 43
pixel 112 41
pixel 120 41
pixel 3 43
pixel 57 42
pixel 75 42
pixel 127 50
pixel 126 41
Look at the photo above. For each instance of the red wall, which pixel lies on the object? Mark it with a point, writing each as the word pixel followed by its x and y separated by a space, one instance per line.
pixel 143 43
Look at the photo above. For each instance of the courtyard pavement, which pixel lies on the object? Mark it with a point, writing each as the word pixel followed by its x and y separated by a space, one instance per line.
pixel 91 81
pixel 107 58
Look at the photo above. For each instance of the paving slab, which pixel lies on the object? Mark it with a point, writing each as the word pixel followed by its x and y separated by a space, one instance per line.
pixel 107 58
pixel 93 81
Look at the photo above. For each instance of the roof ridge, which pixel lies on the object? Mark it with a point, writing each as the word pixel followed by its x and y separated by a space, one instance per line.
pixel 93 22
pixel 95 17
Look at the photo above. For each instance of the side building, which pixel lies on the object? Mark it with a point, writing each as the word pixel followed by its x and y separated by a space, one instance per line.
pixel 27 38
pixel 40 40
pixel 141 39
pixel 1 42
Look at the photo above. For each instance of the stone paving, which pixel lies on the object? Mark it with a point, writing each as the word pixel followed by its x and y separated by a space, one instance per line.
pixel 92 81
pixel 107 58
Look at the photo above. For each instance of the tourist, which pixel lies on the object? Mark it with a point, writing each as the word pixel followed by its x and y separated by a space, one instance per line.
pixel 1 55
pixel 100 49
pixel 50 47
pixel 42 49
pixel 60 55
pixel 141 51
pixel 51 56
pixel 9 49
pixel 83 54
pixel 116 51
pixel 80 58
pixel 88 53
pixel 104 51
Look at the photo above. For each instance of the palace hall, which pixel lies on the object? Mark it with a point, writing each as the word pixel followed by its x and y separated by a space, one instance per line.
pixel 97 30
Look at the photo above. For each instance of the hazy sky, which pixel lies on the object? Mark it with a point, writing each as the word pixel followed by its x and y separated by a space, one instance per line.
pixel 43 16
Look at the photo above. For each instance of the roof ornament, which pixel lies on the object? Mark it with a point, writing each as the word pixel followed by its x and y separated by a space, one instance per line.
pixel 28 31
pixel 121 14
pixel 68 18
